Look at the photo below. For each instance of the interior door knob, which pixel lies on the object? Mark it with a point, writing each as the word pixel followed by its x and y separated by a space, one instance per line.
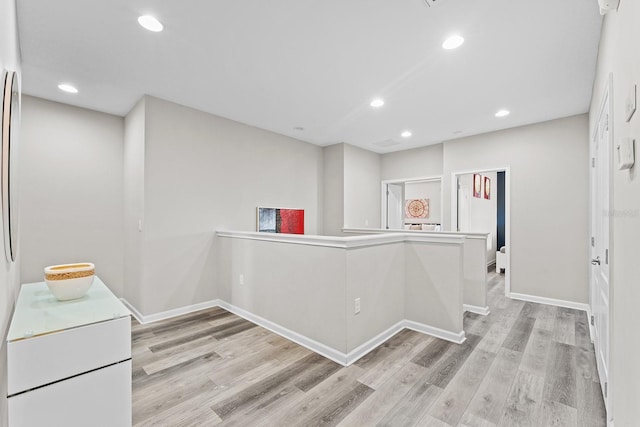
pixel 596 261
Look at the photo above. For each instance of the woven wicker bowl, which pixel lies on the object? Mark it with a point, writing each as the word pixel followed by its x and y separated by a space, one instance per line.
pixel 69 281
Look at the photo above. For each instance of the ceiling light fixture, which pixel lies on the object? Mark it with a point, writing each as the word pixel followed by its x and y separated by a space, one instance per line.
pixel 66 87
pixel 502 113
pixel 377 103
pixel 150 23
pixel 406 134
pixel 453 42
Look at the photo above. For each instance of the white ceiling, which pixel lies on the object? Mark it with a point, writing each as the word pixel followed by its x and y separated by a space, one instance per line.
pixel 317 64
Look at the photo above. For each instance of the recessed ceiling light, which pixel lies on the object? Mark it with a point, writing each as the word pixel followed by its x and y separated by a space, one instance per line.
pixel 377 103
pixel 453 42
pixel 66 87
pixel 406 134
pixel 150 23
pixel 502 113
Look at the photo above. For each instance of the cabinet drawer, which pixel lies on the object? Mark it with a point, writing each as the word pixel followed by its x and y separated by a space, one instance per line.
pixel 44 359
pixel 98 398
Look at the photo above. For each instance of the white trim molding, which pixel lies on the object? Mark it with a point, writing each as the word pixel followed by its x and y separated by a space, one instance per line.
pixel 484 311
pixel 150 318
pixel 350 242
pixel 374 342
pixel 315 346
pixel 550 301
pixel 344 359
pixel 457 338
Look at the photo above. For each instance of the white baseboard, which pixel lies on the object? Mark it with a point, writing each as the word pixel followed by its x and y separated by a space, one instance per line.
pixel 476 309
pixel 344 359
pixel 374 342
pixel 458 338
pixel 315 346
pixel 550 301
pixel 169 313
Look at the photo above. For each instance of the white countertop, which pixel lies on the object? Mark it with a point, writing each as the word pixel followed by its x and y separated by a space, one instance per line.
pixel 38 312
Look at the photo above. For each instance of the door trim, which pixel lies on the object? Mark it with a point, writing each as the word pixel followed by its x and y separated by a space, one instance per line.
pixel 383 195
pixel 507 213
pixel 606 98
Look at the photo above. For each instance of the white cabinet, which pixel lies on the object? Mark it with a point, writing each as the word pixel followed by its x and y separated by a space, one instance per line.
pixel 69 362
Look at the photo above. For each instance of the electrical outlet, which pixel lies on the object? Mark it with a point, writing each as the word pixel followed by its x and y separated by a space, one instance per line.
pixel 242 279
pixel 356 306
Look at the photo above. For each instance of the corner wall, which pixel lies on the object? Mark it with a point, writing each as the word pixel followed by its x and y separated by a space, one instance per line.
pixel 619 54
pixel 71 198
pixel 203 173
pixel 361 188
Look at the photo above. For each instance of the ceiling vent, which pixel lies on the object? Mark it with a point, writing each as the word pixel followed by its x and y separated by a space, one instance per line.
pixel 605 5
pixel 386 143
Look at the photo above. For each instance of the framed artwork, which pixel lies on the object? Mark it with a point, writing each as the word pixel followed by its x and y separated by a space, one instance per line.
pixel 487 188
pixel 280 220
pixel 416 208
pixel 477 185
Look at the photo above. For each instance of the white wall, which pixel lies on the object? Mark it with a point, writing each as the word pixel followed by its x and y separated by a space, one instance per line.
pixel 482 214
pixel 133 180
pixel 9 273
pixel 333 190
pixel 549 201
pixel 361 187
pixel 415 163
pixel 71 190
pixel 299 287
pixel 202 173
pixel 619 54
pixel 308 285
pixel 431 190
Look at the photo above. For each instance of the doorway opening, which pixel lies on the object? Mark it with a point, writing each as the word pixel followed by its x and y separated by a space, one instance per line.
pixel 412 204
pixel 480 203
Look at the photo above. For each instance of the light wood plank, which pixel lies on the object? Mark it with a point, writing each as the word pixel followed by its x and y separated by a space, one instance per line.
pixel 452 403
pixel 554 414
pixel 489 401
pixel 523 404
pixel 386 397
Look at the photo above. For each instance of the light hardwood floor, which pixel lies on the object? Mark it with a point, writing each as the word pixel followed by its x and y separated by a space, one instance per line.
pixel 524 364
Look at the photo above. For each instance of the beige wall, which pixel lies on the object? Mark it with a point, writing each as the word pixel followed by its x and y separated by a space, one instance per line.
pixel 133 180
pixel 361 187
pixel 309 287
pixel 9 273
pixel 71 190
pixel 333 190
pixel 549 204
pixel 619 54
pixel 416 163
pixel 202 173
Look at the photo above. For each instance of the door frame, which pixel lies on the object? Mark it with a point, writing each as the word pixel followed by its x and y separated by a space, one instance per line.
pixel 383 195
pixel 507 213
pixel 605 104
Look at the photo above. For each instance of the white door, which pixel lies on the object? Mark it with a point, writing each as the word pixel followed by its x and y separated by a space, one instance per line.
pixel 395 207
pixel 600 164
